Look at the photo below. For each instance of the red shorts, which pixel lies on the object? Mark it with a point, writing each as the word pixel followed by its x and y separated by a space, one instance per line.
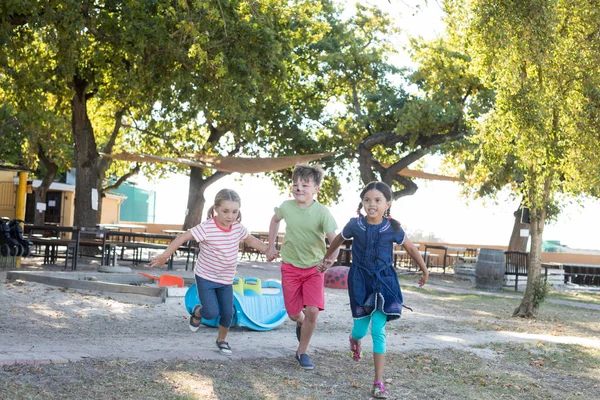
pixel 302 287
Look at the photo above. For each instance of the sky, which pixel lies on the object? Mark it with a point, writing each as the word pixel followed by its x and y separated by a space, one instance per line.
pixel 437 207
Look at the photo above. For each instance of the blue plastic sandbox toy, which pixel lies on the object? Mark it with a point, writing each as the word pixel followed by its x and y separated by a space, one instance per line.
pixel 258 305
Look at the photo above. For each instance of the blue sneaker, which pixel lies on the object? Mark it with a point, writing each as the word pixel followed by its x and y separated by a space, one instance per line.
pixel 304 361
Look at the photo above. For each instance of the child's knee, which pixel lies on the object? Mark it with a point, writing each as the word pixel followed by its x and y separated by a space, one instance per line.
pixel 311 313
pixel 360 328
pixel 209 313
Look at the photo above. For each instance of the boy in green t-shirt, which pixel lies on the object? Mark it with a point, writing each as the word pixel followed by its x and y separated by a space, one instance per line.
pixel 308 222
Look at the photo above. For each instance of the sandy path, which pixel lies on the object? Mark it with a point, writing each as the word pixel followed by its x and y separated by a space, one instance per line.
pixel 41 324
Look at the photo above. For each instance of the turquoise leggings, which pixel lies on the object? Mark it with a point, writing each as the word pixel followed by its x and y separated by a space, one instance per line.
pixel 361 327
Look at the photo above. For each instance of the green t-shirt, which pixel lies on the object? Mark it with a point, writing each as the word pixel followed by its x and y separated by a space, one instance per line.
pixel 305 229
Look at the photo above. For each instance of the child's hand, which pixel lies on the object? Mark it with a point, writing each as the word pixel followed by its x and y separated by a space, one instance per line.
pixel 271 253
pixel 271 257
pixel 423 279
pixel 157 261
pixel 324 264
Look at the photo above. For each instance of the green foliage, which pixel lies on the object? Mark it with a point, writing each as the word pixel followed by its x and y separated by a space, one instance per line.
pixel 542 73
pixel 540 292
pixel 541 59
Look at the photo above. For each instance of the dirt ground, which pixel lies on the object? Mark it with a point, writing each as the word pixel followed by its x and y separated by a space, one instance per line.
pixel 45 327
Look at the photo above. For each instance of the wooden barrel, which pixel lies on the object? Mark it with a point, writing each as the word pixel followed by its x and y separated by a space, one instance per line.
pixel 489 270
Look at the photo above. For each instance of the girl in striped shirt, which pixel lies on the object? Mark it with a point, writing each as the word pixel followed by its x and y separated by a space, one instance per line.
pixel 219 238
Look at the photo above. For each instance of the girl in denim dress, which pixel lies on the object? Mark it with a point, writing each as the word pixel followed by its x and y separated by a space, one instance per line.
pixel 373 287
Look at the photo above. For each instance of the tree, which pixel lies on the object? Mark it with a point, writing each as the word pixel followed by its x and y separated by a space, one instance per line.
pixel 220 78
pixel 107 52
pixel 383 126
pixel 541 139
pixel 36 126
pixel 254 93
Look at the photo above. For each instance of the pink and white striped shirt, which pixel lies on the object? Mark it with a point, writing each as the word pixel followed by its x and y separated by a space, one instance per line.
pixel 218 256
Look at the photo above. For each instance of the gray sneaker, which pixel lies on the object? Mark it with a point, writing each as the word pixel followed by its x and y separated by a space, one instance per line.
pixel 304 361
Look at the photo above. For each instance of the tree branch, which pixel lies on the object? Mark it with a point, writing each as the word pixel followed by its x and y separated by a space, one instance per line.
pixel 132 172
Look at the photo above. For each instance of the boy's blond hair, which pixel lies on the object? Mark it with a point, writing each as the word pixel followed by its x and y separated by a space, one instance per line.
pixel 307 172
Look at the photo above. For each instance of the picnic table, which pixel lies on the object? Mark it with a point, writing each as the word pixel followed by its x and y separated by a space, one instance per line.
pixel 582 274
pixel 56 241
pixel 138 242
pixel 401 257
pixel 173 231
pixel 248 251
pixel 445 257
pixel 119 227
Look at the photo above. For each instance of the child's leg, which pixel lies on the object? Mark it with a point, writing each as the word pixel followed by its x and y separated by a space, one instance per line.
pixel 359 331
pixel 379 320
pixel 308 324
pixel 291 285
pixel 208 298
pixel 225 303
pixel 313 295
pixel 360 328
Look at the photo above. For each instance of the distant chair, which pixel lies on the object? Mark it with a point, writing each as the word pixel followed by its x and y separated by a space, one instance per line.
pixel 516 264
pixel 470 256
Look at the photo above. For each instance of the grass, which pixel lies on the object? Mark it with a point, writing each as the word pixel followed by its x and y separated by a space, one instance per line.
pixel 510 371
pixel 583 297
pixel 491 312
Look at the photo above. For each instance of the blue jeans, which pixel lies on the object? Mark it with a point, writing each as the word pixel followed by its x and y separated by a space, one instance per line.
pixel 216 299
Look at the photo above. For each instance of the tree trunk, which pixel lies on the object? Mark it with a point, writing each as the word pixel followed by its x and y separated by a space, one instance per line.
pixel 86 159
pixel 518 242
pixel 196 199
pixel 528 306
pixel 39 217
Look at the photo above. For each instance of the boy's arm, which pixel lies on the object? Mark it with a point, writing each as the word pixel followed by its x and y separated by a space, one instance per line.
pixel 178 241
pixel 416 255
pixel 332 252
pixel 272 252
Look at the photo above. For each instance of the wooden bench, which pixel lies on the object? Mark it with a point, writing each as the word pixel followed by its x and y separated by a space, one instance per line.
pixel 137 242
pixel 51 249
pixel 137 251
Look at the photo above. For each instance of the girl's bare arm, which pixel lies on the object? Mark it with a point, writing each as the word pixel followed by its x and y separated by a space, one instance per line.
pixel 414 253
pixel 173 246
pixel 254 242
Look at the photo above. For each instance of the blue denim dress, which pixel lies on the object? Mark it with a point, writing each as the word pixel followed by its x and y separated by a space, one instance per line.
pixel 372 280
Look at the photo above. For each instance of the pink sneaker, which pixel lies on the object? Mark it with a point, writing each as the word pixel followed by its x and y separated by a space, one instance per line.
pixel 355 348
pixel 379 391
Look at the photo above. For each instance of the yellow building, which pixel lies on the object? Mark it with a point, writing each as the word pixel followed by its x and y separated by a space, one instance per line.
pixel 59 205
